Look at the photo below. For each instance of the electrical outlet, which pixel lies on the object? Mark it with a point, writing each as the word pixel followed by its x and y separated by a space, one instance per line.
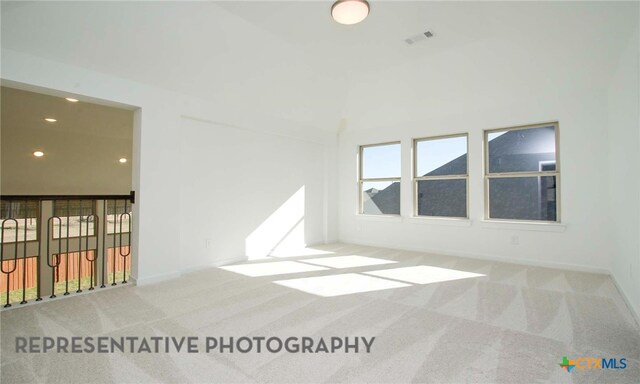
pixel 515 240
pixel 207 243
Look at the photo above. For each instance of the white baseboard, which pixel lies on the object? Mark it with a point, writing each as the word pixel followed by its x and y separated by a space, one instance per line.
pixel 632 308
pixel 174 275
pixel 473 255
pixel 231 260
pixel 157 278
pixel 216 263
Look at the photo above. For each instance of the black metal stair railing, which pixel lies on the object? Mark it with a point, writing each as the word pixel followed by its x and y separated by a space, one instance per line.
pixel 5 270
pixel 56 256
pixel 67 248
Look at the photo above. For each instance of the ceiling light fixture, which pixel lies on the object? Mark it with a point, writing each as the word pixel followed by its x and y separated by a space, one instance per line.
pixel 50 120
pixel 38 153
pixel 71 99
pixel 123 160
pixel 350 11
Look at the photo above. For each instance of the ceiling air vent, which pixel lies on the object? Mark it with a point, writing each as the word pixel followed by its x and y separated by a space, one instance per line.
pixel 428 34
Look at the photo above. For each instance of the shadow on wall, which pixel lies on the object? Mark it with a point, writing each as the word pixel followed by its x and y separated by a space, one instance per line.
pixel 280 233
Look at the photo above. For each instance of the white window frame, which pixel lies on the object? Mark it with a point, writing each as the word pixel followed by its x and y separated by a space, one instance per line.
pixel 417 178
pixel 494 175
pixel 362 180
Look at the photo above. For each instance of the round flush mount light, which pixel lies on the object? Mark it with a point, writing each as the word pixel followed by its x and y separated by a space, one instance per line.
pixel 122 160
pixel 350 11
pixel 50 120
pixel 71 99
pixel 38 153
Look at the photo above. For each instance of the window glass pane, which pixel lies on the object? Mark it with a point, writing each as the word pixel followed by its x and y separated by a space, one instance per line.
pixel 18 209
pixel 522 150
pixel 75 207
pixel 446 198
pixel 119 213
pixel 25 214
pixel 441 157
pixel 381 161
pixel 523 198
pixel 118 207
pixel 75 216
pixel 381 198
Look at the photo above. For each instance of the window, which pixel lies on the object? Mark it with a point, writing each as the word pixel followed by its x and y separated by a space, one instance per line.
pixel 19 219
pixel 522 173
pixel 440 176
pixel 379 179
pixel 118 214
pixel 76 218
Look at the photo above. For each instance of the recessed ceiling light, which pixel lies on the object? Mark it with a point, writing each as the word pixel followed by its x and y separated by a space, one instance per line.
pixel 71 99
pixel 50 119
pixel 123 160
pixel 350 11
pixel 38 153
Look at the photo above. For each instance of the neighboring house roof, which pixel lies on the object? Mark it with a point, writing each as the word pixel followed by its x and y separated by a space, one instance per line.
pixel 385 201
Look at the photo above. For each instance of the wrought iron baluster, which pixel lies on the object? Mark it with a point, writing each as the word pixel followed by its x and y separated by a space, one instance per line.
pixel 66 254
pixel 104 242
pixel 54 266
pixel 80 248
pixel 15 255
pixel 96 226
pixel 24 256
pixel 113 256
pixel 124 256
pixel 38 226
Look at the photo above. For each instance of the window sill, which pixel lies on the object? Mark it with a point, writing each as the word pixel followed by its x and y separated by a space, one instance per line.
pixel 387 218
pixel 524 226
pixel 447 221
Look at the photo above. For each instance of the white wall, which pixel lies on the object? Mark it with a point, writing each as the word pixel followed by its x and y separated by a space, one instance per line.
pixel 556 67
pixel 245 192
pixel 624 163
pixel 191 47
pixel 156 162
pixel 219 68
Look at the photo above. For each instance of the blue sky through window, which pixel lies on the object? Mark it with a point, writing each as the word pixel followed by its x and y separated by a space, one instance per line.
pixel 381 161
pixel 432 154
pixel 495 135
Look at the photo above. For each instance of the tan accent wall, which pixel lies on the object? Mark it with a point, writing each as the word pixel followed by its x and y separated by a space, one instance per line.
pixel 81 149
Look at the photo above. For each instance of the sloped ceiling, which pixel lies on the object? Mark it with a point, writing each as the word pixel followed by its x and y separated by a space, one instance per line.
pixel 195 48
pixel 288 58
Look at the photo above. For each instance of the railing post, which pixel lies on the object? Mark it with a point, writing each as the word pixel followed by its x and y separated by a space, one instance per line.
pixel 101 213
pixel 46 273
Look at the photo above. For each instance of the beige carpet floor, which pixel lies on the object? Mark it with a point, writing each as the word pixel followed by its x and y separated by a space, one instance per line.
pixel 436 319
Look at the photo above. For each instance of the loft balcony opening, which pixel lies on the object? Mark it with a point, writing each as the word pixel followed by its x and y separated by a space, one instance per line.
pixel 67 200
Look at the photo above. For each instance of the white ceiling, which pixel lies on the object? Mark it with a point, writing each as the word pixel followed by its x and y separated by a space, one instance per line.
pixel 287 58
pixel 196 35
pixel 377 42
